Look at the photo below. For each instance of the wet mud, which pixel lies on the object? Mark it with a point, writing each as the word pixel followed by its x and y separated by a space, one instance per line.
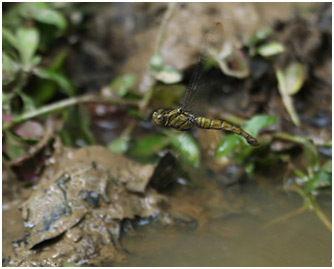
pixel 77 208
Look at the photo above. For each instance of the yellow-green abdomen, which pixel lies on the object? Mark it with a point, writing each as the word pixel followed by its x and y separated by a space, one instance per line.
pixel 206 123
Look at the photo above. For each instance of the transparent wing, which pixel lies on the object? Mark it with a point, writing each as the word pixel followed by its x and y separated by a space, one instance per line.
pixel 193 99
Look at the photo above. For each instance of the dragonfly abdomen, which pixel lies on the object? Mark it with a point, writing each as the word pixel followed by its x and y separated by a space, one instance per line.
pixel 206 123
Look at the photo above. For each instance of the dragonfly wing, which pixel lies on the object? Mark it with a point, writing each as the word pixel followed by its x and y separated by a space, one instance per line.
pixel 195 93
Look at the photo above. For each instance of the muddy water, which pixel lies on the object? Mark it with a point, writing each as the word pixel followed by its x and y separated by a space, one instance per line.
pixel 239 238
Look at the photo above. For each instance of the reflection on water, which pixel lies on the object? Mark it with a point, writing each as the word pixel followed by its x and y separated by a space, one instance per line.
pixel 238 239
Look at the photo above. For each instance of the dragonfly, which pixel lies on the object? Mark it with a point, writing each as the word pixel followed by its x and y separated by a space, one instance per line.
pixel 185 117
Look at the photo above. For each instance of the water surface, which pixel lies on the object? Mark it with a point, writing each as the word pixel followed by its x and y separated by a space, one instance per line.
pixel 239 239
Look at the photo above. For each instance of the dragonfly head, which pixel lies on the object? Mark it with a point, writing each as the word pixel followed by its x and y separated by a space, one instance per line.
pixel 159 117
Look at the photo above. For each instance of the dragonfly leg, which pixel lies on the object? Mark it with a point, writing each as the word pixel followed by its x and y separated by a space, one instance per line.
pixel 192 119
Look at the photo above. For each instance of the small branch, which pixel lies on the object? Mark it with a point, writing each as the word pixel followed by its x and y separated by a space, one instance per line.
pixel 290 137
pixel 286 216
pixel 89 98
pixel 300 139
pixel 51 126
pixel 232 119
pixel 163 26
pixel 324 219
pixel 310 204
pixel 313 205
pixel 8 168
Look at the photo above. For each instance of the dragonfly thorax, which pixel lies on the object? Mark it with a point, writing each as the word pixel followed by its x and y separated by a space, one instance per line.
pixel 177 119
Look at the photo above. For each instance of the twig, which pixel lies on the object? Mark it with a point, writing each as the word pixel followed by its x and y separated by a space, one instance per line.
pixel 89 98
pixel 286 216
pixel 51 126
pixel 324 219
pixel 313 205
pixel 300 139
pixel 163 26
pixel 232 119
pixel 290 137
pixel 309 203
pixel 8 168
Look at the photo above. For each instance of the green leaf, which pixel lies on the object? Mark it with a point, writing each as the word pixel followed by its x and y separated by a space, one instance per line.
pixel 28 9
pixel 9 37
pixel 294 76
pixel 66 138
pixel 36 60
pixel 43 91
pixel 270 49
pixel 28 102
pixel 148 146
pixel 59 60
pixel 186 146
pixel 76 129
pixel 28 40
pixel 300 174
pixel 51 16
pixel 46 87
pixel 119 145
pixel 168 75
pixel 249 168
pixel 227 145
pixel 156 63
pixel 320 180
pixel 327 166
pixel 290 81
pixel 245 152
pixel 123 84
pixel 259 36
pixel 10 69
pixel 4 98
pixel 13 147
pixel 286 98
pixel 256 123
pixel 64 83
pixel 164 74
pixel 311 156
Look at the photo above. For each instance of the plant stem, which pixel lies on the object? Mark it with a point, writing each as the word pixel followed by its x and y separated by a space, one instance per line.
pixel 89 98
pixel 286 216
pixel 232 119
pixel 163 26
pixel 300 139
pixel 290 137
pixel 315 207
pixel 324 219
